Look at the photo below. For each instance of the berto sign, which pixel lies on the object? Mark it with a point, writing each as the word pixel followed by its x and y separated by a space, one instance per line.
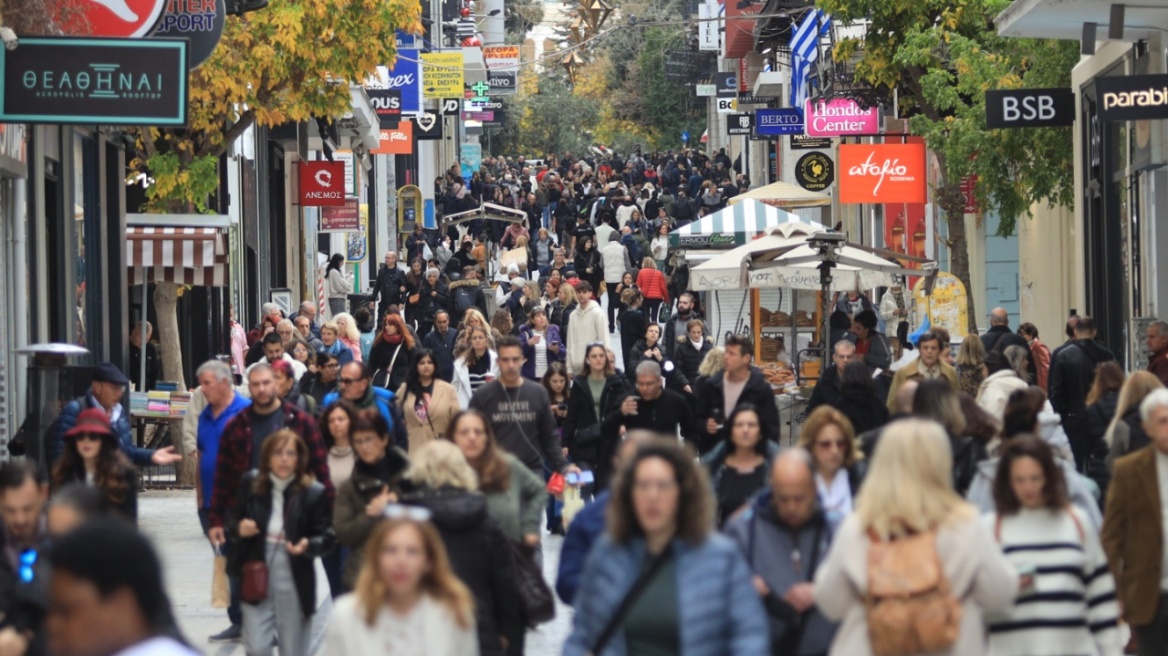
pixel 1132 98
pixel 773 122
pixel 102 81
pixel 882 173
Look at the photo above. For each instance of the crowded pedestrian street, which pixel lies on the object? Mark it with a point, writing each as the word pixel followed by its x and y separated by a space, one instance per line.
pixel 583 328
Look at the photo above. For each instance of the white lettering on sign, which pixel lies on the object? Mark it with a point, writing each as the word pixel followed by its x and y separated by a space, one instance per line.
pixel 1151 97
pixel 778 119
pixel 1028 109
pixel 398 81
pixel 324 195
pixel 890 168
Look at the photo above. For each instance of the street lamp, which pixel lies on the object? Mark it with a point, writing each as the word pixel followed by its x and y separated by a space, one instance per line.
pixel 827 245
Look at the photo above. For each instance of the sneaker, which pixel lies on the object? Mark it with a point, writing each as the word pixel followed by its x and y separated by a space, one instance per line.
pixel 232 633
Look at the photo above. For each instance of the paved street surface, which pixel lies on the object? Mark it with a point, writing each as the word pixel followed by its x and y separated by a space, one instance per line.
pixel 169 519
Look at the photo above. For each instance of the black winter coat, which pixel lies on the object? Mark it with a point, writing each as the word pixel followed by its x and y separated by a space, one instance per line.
pixel 1099 416
pixel 387 289
pixel 307 514
pixel 443 349
pixel 632 328
pixel 864 410
pixel 1071 376
pixel 429 305
pixel 312 385
pixel 711 404
pixel 1002 338
pixel 382 358
pixel 480 557
pixel 688 359
pixel 582 428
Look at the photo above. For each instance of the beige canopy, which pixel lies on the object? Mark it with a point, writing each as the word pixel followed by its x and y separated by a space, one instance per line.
pixel 784 195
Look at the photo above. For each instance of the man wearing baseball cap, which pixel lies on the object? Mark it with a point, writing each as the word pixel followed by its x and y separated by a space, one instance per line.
pixel 105 393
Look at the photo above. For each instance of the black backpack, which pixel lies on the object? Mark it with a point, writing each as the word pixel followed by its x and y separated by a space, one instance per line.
pixel 463 299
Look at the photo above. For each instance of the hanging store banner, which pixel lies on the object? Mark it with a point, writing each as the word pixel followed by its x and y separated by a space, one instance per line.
pixel 740 124
pixel 442 74
pixel 1131 98
pixel 398 141
pixel 387 104
pixel 115 18
pixel 882 173
pixel 1030 108
pixel 815 171
pixel 322 184
pixel 801 142
pixel 501 57
pixel 346 218
pixel 774 122
pixel 840 117
pixel 727 85
pixel 406 77
pixel 428 126
pixel 198 21
pixel 503 83
pixel 102 81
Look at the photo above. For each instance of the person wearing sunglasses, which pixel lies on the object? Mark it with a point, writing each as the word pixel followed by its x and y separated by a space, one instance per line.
pixel 92 456
pixel 408 599
pixel 839 468
pixel 445 485
pixel 374 483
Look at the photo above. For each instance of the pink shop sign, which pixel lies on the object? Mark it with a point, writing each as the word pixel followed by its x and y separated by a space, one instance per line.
pixel 840 117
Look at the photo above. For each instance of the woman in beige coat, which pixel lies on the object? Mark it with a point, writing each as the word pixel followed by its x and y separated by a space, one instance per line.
pixel 427 402
pixel 908 490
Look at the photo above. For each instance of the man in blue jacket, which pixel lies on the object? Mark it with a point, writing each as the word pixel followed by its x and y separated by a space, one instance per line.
pixel 106 392
pixel 357 388
pixel 440 342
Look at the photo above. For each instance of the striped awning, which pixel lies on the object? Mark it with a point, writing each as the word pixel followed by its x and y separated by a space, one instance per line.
pixel 186 256
pixel 736 225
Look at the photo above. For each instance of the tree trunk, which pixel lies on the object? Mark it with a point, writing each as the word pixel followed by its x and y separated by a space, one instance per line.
pixel 170 345
pixel 951 201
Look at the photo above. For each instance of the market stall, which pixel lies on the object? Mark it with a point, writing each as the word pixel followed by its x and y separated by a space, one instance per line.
pixel 783 195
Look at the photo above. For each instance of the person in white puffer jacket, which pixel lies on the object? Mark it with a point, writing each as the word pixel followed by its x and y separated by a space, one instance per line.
pixel 616 262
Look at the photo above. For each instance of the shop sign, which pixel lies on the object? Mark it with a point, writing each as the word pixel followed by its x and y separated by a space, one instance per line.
pixel 470 159
pixel 815 171
pixel 726 105
pixel 199 21
pixel 102 81
pixel 387 104
pixel 345 218
pixel 773 122
pixel 441 74
pixel 501 57
pixel 840 117
pixel 969 190
pixel 322 184
pixel 712 241
pixel 1030 108
pixel 357 248
pixel 709 36
pixel 1131 98
pixel 406 77
pixel 503 83
pixel 740 124
pixel 115 18
pixel 749 67
pixel 428 126
pixel 882 173
pixel 727 84
pixel 705 90
pixel 397 141
pixel 803 142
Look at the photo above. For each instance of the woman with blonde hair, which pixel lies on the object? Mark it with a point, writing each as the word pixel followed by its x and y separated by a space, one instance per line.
pixel 446 487
pixel 828 436
pixel 348 334
pixel 330 339
pixel 908 493
pixel 408 600
pixel 1126 432
pixel 473 317
pixel 652 284
pixel 476 365
pixel 970 365
pixel 563 307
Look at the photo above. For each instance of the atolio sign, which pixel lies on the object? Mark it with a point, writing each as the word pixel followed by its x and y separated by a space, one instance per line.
pixel 882 173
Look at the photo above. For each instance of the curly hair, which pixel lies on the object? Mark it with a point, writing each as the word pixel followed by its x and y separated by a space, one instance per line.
pixel 110 476
pixel 1054 487
pixel 695 507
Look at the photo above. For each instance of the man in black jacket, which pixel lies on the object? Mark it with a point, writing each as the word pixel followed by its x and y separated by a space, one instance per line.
pixel 1071 376
pixel 389 288
pixel 999 338
pixel 417 242
pixel 736 384
pixel 651 407
pixel 830 385
pixel 440 342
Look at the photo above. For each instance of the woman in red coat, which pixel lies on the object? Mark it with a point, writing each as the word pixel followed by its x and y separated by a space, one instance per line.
pixel 651 282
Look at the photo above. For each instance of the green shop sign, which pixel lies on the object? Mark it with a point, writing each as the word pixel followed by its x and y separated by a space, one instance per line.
pixel 90 80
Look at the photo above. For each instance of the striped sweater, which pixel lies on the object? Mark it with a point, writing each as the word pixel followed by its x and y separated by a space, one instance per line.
pixel 1071 610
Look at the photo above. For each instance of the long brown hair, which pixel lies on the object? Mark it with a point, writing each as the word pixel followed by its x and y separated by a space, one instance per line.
pixel 1108 378
pixel 277 440
pixel 400 325
pixel 110 477
pixel 1054 488
pixel 695 505
pixel 439 582
pixel 493 470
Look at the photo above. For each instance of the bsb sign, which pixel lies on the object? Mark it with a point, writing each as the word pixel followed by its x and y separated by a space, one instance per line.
pixel 1131 98
pixel 882 173
pixel 102 81
pixel 1030 108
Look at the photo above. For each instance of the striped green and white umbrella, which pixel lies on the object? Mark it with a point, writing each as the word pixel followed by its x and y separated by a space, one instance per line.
pixel 737 225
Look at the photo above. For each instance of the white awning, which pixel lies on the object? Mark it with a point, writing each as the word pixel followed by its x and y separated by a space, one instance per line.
pixel 182 255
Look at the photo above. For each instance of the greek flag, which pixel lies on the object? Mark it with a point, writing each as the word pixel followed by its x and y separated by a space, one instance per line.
pixel 804 51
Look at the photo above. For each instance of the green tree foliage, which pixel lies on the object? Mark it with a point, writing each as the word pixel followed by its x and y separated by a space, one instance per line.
pixel 519 16
pixel 942 56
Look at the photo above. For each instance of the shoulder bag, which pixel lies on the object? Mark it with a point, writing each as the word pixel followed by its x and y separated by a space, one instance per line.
pixel 535 597
pixel 382 377
pixel 643 580
pixel 253 587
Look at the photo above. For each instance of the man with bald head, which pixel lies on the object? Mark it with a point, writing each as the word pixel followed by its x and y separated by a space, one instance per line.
pixel 999 338
pixel 830 386
pixel 785 535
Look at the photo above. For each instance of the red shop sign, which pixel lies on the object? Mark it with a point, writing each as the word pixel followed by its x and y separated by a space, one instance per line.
pixel 322 184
